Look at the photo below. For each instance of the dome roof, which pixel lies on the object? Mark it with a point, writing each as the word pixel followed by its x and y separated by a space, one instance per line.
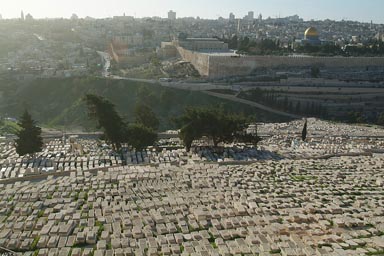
pixel 311 32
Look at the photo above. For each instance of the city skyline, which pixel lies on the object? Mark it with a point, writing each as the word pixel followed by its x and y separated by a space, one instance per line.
pixel 309 9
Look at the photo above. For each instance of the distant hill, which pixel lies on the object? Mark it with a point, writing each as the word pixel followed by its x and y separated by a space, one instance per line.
pixel 58 102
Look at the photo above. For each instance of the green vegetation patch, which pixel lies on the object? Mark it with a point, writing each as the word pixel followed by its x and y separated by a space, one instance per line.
pixel 381 252
pixel 8 127
pixel 301 178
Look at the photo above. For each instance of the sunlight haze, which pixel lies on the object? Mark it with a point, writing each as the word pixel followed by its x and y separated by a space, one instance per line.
pixel 309 9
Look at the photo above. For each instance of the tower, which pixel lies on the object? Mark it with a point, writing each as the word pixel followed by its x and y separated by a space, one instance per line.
pixel 251 15
pixel 22 15
pixel 171 15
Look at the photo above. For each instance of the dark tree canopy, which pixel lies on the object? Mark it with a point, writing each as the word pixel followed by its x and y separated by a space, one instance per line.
pixel 214 123
pixel 304 131
pixel 380 119
pixel 139 136
pixel 356 117
pixel 116 130
pixel 29 140
pixel 107 118
pixel 145 116
pixel 315 72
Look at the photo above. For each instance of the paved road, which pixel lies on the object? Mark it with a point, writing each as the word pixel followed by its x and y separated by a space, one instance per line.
pixel 150 81
pixel 251 103
pixel 107 63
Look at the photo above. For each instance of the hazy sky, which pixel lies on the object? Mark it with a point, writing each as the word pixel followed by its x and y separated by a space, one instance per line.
pixel 308 9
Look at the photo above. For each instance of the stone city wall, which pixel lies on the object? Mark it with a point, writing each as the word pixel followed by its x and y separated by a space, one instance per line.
pixel 215 66
pixel 199 60
pixel 221 66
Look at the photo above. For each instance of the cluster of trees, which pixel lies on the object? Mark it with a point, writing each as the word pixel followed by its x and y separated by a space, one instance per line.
pixel 380 119
pixel 355 117
pixel 214 124
pixel 273 47
pixel 276 100
pixel 371 48
pixel 308 109
pixel 261 47
pixel 321 50
pixel 361 117
pixel 117 131
pixel 195 123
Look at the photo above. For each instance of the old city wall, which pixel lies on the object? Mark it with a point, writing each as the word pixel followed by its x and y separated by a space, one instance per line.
pixel 199 60
pixel 221 66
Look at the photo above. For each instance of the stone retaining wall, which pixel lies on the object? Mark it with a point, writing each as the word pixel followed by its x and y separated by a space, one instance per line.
pixel 199 60
pixel 221 66
pixel 215 66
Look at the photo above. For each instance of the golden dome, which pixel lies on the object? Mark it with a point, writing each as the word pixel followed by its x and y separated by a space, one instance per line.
pixel 312 32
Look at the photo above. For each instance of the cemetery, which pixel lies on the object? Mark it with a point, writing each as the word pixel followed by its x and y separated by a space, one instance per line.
pixel 324 196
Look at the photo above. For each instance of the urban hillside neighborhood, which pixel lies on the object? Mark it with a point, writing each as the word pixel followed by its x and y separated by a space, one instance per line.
pixel 188 136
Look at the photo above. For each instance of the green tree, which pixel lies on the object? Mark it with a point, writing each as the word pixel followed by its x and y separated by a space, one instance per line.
pixel 315 72
pixel 380 119
pixel 155 61
pixel 145 116
pixel 244 137
pixel 360 118
pixel 116 130
pixel 304 131
pixel 29 140
pixel 139 136
pixel 107 118
pixel 214 123
pixel 244 44
pixel 232 44
pixel 356 117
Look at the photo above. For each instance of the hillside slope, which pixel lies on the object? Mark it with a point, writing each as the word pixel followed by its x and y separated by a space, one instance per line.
pixel 58 102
